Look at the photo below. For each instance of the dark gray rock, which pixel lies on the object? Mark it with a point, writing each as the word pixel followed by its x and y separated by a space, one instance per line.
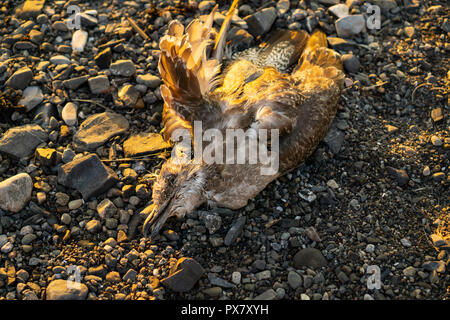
pixel 351 63
pixel 22 141
pixel 88 175
pixel 309 257
pixel 124 68
pixel 20 79
pixel 98 129
pixel 77 82
pixel 334 139
pixel 261 21
pixel 235 231
pixel 184 275
pixel 216 281
pixel 103 58
pixel 30 9
pixel 399 175
pixel 99 84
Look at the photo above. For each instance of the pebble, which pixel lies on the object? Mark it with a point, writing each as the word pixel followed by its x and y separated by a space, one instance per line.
pixel 93 226
pixel 294 280
pixel 184 275
pixel 79 40
pixel 351 25
pixel 309 257
pixel 234 232
pixel 59 59
pixel 15 192
pixel 261 21
pixel 236 277
pixel 69 114
pixel 98 84
pixel 31 97
pixel 124 68
pixel 149 80
pixel 60 290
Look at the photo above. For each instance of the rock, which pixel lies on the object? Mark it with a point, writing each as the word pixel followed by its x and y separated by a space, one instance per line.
pixel 66 290
pixel 436 141
pixel 213 222
pixel 239 38
pixel 79 40
pixel 59 59
pixel 436 114
pixel 22 141
pixel 409 31
pixel 93 226
pixel 334 139
pixel 341 44
pixel 309 257
pixel 184 275
pixel 269 294
pixel 216 281
pixel 99 84
pixel 97 129
pixel 31 97
pixel 405 242
pixel 149 80
pixel 62 199
pixel 15 192
pixel 124 68
pixel 261 21
pixel 144 143
pixel 283 6
pixel 385 5
pixel 399 175
pixel 88 175
pixel 349 26
pixel 235 231
pixel 312 234
pixel 409 271
pixel 30 9
pixel 437 240
pixel 294 280
pixel 106 209
pixel 129 95
pixel 77 82
pixel 236 277
pixel 20 79
pixel 339 10
pixel 103 58
pixel 130 275
pixel 206 5
pixel 113 276
pixel 69 114
pixel 350 62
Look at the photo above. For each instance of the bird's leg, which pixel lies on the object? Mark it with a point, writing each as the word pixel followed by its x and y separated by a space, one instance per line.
pixel 156 217
pixel 221 39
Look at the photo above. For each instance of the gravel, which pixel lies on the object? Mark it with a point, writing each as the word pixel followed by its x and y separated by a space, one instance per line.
pixel 88 146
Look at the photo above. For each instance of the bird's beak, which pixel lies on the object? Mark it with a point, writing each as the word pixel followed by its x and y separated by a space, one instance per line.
pixel 157 216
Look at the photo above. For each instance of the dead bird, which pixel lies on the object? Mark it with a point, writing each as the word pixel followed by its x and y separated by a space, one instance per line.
pixel 206 94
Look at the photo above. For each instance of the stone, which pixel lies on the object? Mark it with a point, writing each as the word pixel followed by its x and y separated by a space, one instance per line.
pixel 294 280
pixel 239 38
pixel 31 97
pixel 59 59
pixel 124 68
pixel 93 226
pixel 283 6
pixel 385 5
pixel 106 209
pixel 206 5
pixel 15 192
pixel 184 275
pixel 128 95
pixel 235 231
pixel 99 84
pixel 69 114
pixel 149 80
pixel 409 31
pixel 334 139
pixel 436 114
pixel 77 82
pixel 113 276
pixel 213 292
pixel 97 129
pixel 217 281
pixel 236 277
pixel 309 257
pixel 269 294
pixel 340 44
pixel 340 10
pixel 30 9
pixel 437 240
pixel 86 20
pixel 212 222
pixel 66 290
pixel 349 26
pixel 88 175
pixel 350 62
pixel 79 40
pixel 144 143
pixel 22 141
pixel 103 58
pixel 399 175
pixel 409 271
pixel 438 266
pixel 261 21
pixel 130 275
pixel 62 199
pixel 20 79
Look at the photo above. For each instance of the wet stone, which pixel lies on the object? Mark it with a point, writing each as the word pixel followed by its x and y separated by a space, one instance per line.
pixel 22 141
pixel 309 257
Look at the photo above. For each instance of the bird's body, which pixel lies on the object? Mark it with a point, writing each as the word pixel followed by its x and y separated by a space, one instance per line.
pixel 255 91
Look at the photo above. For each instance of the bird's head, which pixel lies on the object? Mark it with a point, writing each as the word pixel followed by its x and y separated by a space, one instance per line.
pixel 178 189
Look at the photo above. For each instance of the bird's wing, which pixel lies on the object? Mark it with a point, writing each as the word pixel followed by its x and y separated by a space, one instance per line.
pixel 189 72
